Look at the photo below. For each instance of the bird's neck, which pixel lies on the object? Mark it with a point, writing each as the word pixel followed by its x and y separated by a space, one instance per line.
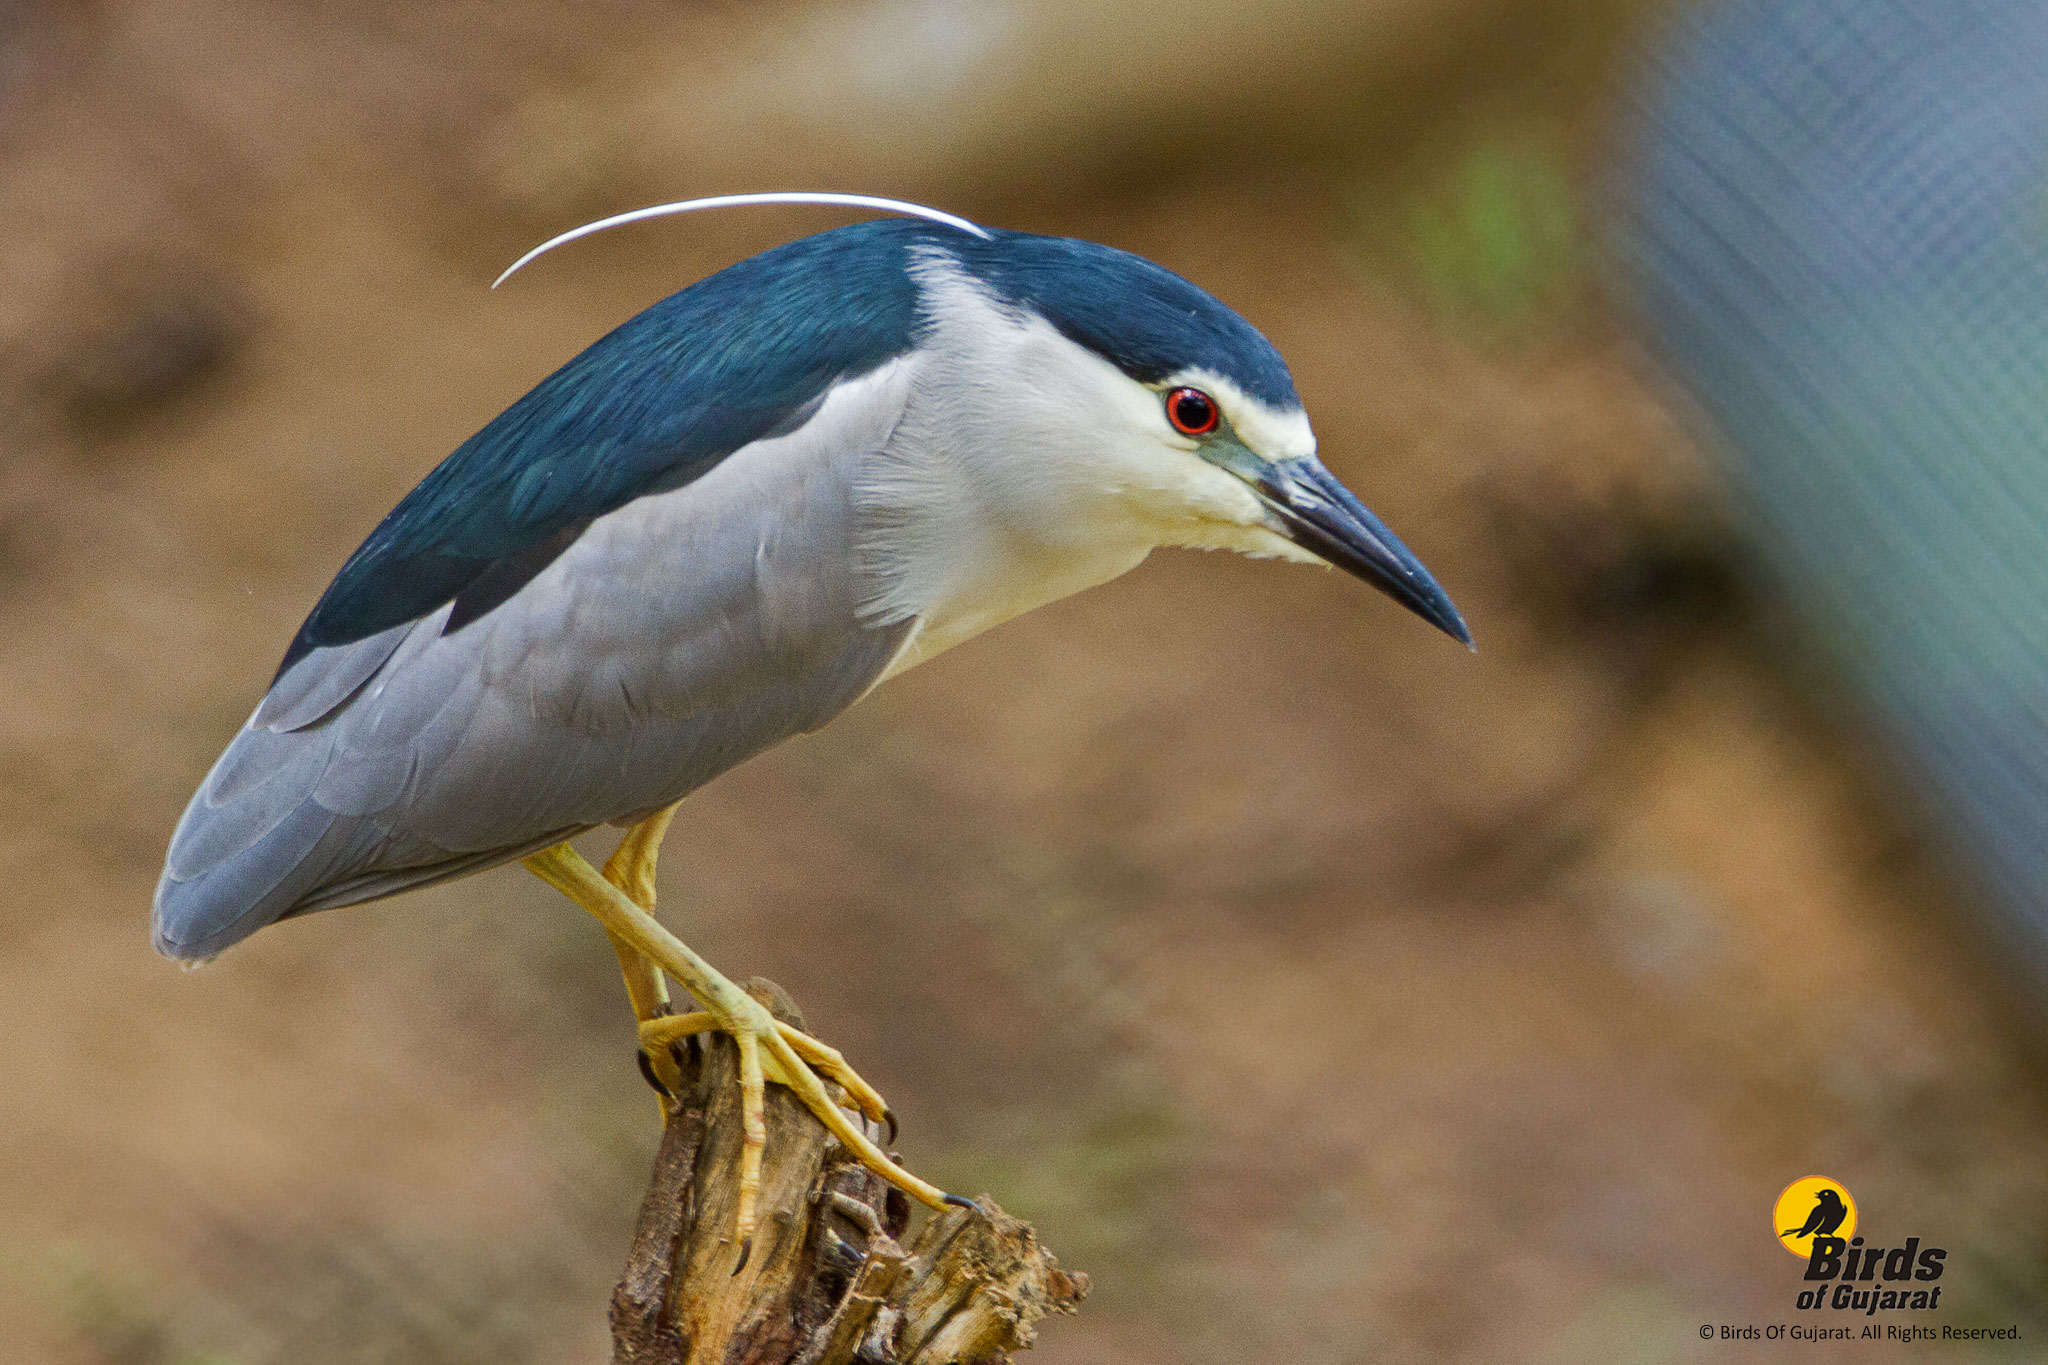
pixel 958 552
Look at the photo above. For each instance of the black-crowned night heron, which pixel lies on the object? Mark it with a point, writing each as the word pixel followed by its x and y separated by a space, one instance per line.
pixel 720 526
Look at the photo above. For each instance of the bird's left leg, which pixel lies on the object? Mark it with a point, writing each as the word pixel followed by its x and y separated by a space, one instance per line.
pixel 631 869
pixel 764 1042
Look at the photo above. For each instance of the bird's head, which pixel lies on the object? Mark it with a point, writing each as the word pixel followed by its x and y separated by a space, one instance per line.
pixel 1166 407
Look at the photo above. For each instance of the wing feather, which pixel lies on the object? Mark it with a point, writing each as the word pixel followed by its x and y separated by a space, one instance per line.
pixel 678 636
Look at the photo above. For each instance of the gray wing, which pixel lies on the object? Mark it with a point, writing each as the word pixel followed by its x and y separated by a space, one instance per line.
pixel 678 636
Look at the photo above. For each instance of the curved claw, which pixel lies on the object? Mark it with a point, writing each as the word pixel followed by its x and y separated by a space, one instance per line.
pixel 889 1117
pixel 746 1250
pixel 959 1203
pixel 811 1091
pixel 647 1074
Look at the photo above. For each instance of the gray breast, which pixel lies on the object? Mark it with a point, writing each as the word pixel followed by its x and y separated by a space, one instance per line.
pixel 679 636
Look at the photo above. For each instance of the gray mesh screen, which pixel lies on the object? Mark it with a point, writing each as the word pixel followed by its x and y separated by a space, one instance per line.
pixel 1839 238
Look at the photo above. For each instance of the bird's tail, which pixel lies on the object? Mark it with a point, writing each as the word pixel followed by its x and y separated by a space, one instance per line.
pixel 256 845
pixel 252 843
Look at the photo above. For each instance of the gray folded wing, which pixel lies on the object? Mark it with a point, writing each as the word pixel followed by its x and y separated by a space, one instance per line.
pixel 676 637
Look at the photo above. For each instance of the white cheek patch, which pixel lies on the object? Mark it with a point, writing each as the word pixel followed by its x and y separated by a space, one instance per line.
pixel 1271 433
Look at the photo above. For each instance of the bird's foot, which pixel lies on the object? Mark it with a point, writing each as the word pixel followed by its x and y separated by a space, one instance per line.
pixel 658 1035
pixel 771 1050
pixel 764 1043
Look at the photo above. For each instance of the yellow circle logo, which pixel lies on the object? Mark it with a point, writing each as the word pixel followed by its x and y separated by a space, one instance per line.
pixel 1813 1206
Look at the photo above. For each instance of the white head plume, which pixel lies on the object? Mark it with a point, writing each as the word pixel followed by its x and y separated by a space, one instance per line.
pixel 721 201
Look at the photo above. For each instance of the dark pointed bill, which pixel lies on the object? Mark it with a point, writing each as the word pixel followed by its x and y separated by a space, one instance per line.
pixel 1322 516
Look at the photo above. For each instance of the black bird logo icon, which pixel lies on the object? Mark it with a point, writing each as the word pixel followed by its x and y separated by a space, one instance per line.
pixel 1828 1213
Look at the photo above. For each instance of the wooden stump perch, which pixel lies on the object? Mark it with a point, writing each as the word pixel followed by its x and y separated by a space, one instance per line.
pixel 828 1280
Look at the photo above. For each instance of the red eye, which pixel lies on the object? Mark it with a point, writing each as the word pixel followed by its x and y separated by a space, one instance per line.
pixel 1192 412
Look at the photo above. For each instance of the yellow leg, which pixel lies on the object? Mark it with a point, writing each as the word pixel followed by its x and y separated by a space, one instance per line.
pixel 734 1011
pixel 631 869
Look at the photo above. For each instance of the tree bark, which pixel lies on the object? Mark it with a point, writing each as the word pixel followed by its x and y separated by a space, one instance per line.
pixel 829 1279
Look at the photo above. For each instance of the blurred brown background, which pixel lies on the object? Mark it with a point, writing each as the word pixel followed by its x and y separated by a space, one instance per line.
pixel 1329 994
